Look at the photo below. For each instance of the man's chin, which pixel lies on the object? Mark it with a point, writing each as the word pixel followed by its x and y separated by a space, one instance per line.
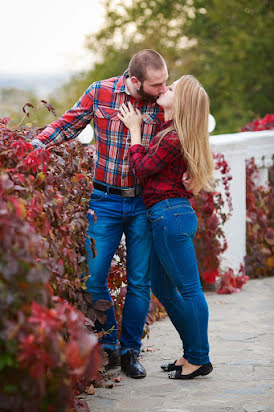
pixel 150 98
pixel 147 96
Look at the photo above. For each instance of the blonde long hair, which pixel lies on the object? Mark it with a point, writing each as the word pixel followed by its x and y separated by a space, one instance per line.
pixel 191 111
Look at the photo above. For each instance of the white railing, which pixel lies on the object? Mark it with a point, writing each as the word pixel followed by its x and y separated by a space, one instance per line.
pixel 236 148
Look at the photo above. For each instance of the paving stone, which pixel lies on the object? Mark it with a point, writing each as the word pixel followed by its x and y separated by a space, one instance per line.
pixel 241 337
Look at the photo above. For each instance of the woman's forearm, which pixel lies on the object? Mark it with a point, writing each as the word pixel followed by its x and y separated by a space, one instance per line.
pixel 135 134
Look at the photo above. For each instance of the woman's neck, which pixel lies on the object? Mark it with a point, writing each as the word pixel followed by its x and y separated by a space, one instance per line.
pixel 168 115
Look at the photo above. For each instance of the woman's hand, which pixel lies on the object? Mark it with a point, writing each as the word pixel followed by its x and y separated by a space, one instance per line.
pixel 131 118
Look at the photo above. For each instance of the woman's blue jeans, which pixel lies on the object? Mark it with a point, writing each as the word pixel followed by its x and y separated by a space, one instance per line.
pixel 175 278
pixel 116 215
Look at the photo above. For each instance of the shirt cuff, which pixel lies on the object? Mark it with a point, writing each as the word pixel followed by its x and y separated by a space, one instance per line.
pixel 137 148
pixel 37 143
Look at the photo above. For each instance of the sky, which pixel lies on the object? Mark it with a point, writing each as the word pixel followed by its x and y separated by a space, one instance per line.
pixel 47 37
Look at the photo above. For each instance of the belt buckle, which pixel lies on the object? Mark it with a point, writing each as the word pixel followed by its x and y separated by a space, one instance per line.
pixel 129 192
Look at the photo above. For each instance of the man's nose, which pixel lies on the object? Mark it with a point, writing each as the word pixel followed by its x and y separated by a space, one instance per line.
pixel 162 89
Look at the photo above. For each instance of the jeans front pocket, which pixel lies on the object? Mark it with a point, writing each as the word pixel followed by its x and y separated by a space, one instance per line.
pixel 97 195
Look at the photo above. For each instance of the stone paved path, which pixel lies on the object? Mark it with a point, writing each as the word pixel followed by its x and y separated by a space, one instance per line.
pixel 241 335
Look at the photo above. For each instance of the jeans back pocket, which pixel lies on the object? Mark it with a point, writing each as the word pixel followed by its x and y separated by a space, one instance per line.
pixel 186 220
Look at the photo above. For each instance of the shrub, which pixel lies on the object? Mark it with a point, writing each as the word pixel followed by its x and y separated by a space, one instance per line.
pixel 267 123
pixel 212 212
pixel 259 259
pixel 46 350
pixel 259 211
pixel 213 209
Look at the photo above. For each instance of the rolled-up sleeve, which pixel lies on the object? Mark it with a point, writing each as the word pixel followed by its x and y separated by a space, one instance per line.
pixel 70 124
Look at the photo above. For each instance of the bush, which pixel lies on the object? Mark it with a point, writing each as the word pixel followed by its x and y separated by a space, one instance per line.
pixel 259 260
pixel 211 212
pixel 46 350
pixel 267 123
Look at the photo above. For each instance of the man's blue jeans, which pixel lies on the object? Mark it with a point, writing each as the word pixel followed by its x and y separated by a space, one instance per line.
pixel 175 278
pixel 117 215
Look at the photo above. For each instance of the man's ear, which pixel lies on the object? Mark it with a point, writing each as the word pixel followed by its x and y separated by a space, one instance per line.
pixel 135 82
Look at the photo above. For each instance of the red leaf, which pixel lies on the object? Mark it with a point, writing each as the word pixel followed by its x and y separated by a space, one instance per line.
pixel 210 276
pixel 102 305
pixel 27 105
pixel 49 107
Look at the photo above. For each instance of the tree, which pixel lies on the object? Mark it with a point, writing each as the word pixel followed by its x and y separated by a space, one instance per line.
pixel 227 45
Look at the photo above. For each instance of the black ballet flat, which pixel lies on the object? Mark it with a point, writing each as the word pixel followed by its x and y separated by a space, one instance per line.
pixel 168 367
pixel 201 371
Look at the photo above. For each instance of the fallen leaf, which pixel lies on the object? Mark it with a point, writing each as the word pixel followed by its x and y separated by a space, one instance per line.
pixel 118 379
pixel 221 302
pixel 90 390
pixel 108 385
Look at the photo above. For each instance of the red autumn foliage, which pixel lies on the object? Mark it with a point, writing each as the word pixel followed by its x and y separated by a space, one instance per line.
pixel 211 212
pixel 267 123
pixel 210 276
pixel 259 259
pixel 231 283
pixel 46 349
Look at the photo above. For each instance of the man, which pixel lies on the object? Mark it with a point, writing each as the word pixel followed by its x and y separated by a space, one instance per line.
pixel 116 199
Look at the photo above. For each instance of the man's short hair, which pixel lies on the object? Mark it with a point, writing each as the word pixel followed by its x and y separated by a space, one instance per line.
pixel 143 60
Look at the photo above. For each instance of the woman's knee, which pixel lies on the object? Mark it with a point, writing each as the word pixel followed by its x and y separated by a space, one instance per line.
pixel 164 296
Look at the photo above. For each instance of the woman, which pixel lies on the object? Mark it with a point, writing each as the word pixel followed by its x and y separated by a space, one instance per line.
pixel 181 147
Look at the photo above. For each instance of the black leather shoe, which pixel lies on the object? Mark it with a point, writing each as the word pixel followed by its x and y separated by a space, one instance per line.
pixel 113 358
pixel 131 366
pixel 168 367
pixel 201 371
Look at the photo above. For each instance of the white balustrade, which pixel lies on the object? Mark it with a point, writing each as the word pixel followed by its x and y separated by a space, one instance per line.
pixel 236 148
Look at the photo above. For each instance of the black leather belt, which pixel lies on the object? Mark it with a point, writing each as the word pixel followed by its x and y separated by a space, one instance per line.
pixel 128 192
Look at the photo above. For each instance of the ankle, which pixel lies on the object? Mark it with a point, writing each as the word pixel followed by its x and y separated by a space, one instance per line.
pixel 181 361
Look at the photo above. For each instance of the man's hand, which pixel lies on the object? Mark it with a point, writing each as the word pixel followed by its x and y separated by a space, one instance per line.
pixel 131 118
pixel 186 180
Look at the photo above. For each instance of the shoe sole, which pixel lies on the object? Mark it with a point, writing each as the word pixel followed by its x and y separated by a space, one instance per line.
pixel 136 377
pixel 133 376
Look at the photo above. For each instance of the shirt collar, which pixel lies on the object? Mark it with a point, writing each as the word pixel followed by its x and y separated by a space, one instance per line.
pixel 121 85
pixel 166 124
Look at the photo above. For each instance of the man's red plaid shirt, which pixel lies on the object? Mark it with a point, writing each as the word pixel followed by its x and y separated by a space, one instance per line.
pixel 160 168
pixel 100 103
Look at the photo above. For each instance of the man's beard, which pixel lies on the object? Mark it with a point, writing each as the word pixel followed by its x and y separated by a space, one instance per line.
pixel 146 96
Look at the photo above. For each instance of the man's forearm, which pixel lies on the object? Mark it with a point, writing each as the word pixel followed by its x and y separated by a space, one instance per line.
pixel 70 124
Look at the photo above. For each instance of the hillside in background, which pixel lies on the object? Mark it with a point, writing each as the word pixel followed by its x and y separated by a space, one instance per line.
pixel 39 84
pixel 18 89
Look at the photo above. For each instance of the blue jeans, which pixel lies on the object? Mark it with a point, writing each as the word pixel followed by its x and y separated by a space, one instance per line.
pixel 175 278
pixel 117 215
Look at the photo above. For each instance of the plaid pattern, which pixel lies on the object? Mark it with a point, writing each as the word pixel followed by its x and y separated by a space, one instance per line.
pixel 161 168
pixel 100 103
